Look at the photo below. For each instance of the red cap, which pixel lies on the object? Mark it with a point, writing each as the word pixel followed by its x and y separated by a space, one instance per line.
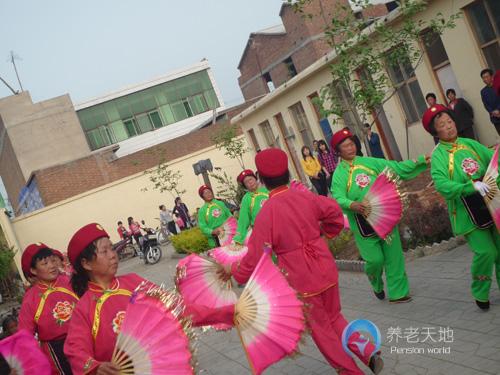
pixel 29 253
pixel 58 253
pixel 245 173
pixel 496 82
pixel 340 137
pixel 271 162
pixel 202 189
pixel 82 238
pixel 430 114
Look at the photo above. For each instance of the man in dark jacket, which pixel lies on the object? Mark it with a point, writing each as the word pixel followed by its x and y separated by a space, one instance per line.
pixel 464 114
pixel 490 98
pixel 373 141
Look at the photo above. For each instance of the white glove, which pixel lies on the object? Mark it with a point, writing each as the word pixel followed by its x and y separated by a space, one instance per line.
pixel 481 187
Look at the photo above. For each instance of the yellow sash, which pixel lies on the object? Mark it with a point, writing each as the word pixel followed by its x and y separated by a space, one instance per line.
pixel 353 168
pixel 100 302
pixel 451 156
pixel 254 196
pixel 46 294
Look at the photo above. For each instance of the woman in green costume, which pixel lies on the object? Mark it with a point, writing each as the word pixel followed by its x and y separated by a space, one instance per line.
pixel 351 181
pixel 251 203
pixel 212 215
pixel 457 167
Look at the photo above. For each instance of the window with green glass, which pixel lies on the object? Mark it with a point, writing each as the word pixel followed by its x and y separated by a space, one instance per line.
pixel 198 104
pixel 144 123
pixel 211 99
pixel 179 111
pixel 149 109
pixel 119 131
pixel 155 119
pixel 167 113
pixel 131 126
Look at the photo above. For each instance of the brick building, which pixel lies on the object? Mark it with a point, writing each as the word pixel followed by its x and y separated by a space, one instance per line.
pixel 274 55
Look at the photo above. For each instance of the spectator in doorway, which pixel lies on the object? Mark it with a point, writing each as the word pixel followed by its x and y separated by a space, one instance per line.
pixel 167 219
pixel 431 100
pixel 328 160
pixel 356 141
pixel 490 98
pixel 464 114
pixel 181 209
pixel 312 168
pixel 373 140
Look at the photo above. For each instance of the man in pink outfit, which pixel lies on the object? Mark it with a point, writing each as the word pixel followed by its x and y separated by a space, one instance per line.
pixel 292 223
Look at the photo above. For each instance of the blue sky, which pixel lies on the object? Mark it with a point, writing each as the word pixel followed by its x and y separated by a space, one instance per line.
pixel 88 48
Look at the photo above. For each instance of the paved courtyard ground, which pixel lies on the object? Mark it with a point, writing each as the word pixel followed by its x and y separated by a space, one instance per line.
pixel 440 288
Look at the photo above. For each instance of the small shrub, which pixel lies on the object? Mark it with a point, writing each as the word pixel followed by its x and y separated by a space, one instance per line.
pixel 189 241
pixel 425 222
pixel 343 246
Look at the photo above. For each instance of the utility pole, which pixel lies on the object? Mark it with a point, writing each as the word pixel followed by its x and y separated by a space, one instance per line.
pixel 13 59
pixel 9 86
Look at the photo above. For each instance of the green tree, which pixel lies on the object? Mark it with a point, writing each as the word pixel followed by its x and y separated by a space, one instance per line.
pixel 165 179
pixel 227 188
pixel 227 139
pixel 364 48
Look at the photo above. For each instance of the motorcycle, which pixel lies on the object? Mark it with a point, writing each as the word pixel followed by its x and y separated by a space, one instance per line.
pixel 125 248
pixel 150 248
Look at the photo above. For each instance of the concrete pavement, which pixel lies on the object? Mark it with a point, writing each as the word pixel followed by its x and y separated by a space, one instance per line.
pixel 440 332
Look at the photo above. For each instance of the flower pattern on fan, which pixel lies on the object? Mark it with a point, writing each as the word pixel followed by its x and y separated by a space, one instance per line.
pixel 362 180
pixel 470 166
pixel 62 312
pixel 118 321
pixel 216 213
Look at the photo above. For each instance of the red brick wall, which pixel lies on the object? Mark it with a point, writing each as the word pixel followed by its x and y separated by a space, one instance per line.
pixel 64 181
pixel 272 49
pixel 279 74
pixel 376 10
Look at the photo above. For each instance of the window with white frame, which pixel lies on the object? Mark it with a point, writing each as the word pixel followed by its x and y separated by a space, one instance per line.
pixel 268 134
pixel 484 16
pixel 408 89
pixel 300 119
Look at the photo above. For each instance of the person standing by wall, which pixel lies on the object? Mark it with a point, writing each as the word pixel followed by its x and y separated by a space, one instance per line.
pixel 464 114
pixel 430 99
pixel 373 140
pixel 328 160
pixel 490 98
pixel 181 209
pixel 167 219
pixel 312 168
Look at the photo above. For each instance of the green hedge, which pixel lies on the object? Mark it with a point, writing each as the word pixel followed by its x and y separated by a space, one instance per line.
pixel 192 240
